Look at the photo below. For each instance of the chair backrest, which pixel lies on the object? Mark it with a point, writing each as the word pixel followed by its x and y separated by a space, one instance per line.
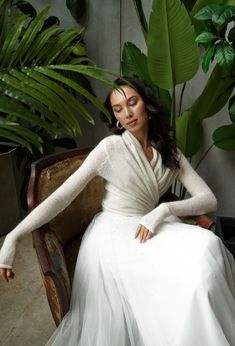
pixel 58 242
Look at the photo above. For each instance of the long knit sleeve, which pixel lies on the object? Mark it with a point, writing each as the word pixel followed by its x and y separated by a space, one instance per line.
pixel 54 204
pixel 202 199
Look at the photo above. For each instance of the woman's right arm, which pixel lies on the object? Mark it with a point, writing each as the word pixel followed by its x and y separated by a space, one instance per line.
pixel 52 206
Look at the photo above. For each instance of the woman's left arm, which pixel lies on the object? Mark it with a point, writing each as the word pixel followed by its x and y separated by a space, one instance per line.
pixel 202 199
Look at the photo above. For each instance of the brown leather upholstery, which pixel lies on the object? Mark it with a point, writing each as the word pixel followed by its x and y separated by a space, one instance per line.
pixel 57 243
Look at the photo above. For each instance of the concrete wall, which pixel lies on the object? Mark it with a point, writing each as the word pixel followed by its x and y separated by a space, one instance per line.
pixel 109 25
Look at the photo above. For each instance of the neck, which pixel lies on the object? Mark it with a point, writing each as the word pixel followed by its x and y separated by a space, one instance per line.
pixel 142 137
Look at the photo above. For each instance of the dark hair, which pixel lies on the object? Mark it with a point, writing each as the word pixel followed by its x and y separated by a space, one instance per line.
pixel 159 129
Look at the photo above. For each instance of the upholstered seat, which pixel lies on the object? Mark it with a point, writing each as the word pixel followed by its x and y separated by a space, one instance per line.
pixel 57 243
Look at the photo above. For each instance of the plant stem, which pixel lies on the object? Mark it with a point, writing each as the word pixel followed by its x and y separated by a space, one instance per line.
pixel 181 97
pixel 203 156
pixel 173 114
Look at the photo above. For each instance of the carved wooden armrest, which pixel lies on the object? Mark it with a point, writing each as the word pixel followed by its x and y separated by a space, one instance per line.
pixel 55 275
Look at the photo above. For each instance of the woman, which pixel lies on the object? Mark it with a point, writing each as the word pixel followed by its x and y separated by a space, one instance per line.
pixel 143 277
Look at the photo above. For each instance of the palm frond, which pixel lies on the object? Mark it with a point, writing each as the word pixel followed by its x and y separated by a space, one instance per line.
pixel 33 90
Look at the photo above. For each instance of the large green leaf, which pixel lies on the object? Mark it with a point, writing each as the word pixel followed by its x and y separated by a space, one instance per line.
pixel 134 63
pixel 189 133
pixel 215 94
pixel 224 137
pixel 173 56
pixel 141 16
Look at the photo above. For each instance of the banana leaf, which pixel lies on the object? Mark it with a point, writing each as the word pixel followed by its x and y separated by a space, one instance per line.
pixel 213 98
pixel 173 56
pixel 134 63
pixel 141 16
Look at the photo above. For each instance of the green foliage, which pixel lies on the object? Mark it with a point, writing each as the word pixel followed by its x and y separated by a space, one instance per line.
pixel 172 52
pixel 40 64
pixel 77 9
pixel 217 19
pixel 172 58
pixel 199 25
pixel 134 63
pixel 224 137
pixel 141 16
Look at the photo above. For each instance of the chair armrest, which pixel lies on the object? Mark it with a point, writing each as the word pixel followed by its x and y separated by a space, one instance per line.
pixel 54 273
pixel 203 221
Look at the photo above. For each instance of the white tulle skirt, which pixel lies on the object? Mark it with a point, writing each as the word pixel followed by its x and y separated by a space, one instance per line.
pixel 177 289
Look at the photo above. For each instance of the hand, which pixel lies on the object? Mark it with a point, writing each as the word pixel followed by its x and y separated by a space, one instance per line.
pixel 143 234
pixel 6 274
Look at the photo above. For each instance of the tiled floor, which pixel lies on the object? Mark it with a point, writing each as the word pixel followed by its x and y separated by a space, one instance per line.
pixel 25 318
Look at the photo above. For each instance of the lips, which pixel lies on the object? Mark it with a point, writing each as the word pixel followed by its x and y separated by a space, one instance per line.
pixel 132 122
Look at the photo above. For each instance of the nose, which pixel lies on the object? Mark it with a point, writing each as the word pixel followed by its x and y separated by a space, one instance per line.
pixel 128 113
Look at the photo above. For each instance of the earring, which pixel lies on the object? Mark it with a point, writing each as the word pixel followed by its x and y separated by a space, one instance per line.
pixel 150 116
pixel 118 125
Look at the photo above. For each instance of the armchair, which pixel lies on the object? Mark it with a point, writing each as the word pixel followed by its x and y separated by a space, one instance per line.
pixel 57 243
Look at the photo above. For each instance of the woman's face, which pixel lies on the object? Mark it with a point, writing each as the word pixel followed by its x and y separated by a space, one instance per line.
pixel 129 109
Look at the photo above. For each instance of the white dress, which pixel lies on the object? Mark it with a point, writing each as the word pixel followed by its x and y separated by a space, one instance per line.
pixel 177 289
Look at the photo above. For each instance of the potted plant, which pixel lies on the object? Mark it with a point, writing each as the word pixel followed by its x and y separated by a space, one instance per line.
pixel 173 58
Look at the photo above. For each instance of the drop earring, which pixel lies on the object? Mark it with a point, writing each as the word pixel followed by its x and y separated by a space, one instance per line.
pixel 118 125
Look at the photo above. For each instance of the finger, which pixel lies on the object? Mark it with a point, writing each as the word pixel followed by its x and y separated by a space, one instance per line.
pixel 3 274
pixel 143 234
pixel 137 231
pixel 148 236
pixel 10 274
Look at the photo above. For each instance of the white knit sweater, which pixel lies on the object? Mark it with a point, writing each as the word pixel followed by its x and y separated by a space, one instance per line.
pixel 133 187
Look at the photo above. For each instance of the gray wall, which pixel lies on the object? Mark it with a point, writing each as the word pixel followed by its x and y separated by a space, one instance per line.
pixel 109 25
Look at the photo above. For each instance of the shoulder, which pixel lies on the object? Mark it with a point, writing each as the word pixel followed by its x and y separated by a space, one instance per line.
pixel 111 142
pixel 106 146
pixel 112 139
